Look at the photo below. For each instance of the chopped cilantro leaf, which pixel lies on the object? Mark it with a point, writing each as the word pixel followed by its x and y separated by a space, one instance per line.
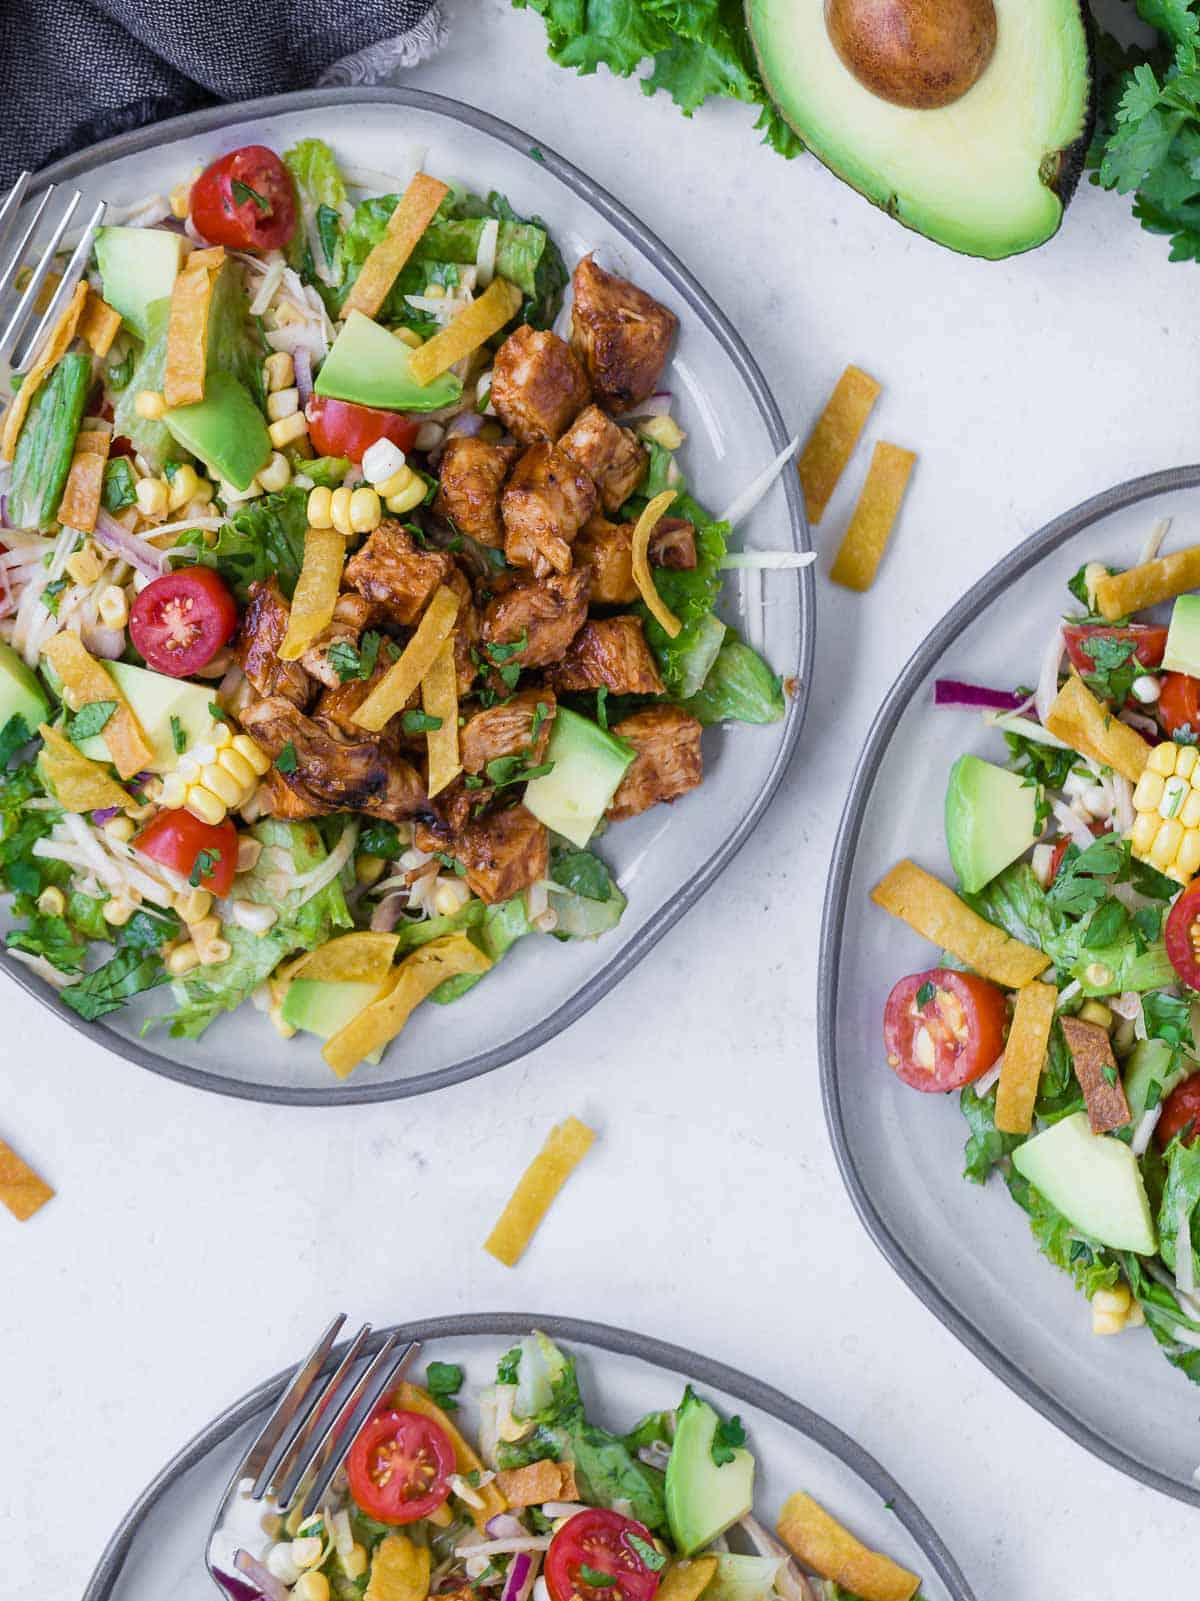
pixel 287 761
pixel 90 719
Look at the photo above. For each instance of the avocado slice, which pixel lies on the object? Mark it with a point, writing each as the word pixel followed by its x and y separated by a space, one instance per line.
pixel 137 267
pixel 1092 1179
pixel 991 819
pixel 588 764
pixel 1182 652
pixel 20 693
pixel 704 1499
pixel 742 1578
pixel 988 174
pixel 369 366
pixel 1153 1062
pixel 225 430
pixel 154 699
pixel 323 1006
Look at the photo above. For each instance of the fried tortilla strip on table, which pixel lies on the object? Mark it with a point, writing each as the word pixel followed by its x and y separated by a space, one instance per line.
pixel 642 576
pixel 85 681
pixel 686 1579
pixel 79 784
pixel 99 323
pixel 416 210
pixel 80 503
pixel 439 700
pixel 1024 1057
pixel 1078 719
pixel 934 910
pixel 52 353
pixel 411 1398
pixel 821 1543
pixel 22 1191
pixel 536 1190
pixel 187 327
pixel 476 323
pixel 861 551
pixel 831 444
pixel 316 591
pixel 537 1482
pixel 1099 1078
pixel 1118 594
pixel 403 678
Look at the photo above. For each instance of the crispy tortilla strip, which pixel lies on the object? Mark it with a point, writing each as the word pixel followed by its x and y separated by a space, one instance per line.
pixel 1118 594
pixel 416 210
pixel 439 698
pixel 822 1544
pixel 316 591
pixel 80 503
pixel 1024 1057
pixel 831 444
pixel 934 910
pixel 21 1190
pixel 476 323
pixel 857 562
pixel 402 991
pixel 99 323
pixel 539 1481
pixel 52 352
pixel 686 1579
pixel 642 576
pixel 187 327
pixel 360 958
pixel 400 1570
pixel 1078 719
pixel 402 679
pixel 536 1190
pixel 79 784
pixel 410 1398
pixel 1099 1079
pixel 84 680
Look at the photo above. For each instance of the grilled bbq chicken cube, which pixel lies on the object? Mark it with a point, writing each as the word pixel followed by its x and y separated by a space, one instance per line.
pixel 668 761
pixel 352 616
pixel 609 454
pixel 606 549
pixel 343 775
pixel 673 543
pixel 544 505
pixel 508 730
pixel 503 852
pixel 471 475
pixel 609 653
pixel 264 623
pixel 392 570
pixel 621 334
pixel 546 613
pixel 538 385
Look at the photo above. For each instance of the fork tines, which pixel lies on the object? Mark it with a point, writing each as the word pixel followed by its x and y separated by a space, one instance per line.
pixel 13 254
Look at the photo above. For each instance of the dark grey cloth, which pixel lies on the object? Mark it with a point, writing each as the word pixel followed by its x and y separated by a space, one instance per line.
pixel 76 71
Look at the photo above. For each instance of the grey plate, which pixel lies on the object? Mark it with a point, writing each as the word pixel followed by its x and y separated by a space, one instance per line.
pixel 158 1548
pixel 665 859
pixel 967 1252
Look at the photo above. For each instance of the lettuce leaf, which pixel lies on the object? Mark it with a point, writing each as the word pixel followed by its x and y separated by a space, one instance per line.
pixel 739 688
pixel 986 1147
pixel 1182 1193
pixel 1164 1317
pixel 1091 1265
pixel 262 538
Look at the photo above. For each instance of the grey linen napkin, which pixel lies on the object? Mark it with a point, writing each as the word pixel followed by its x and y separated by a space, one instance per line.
pixel 73 72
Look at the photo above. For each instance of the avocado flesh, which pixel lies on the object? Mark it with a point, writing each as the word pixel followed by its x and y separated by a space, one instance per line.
pixel 587 765
pixel 1093 1180
pixel 1152 1062
pixel 137 267
pixel 20 693
pixel 991 819
pixel 704 1499
pixel 1182 652
pixel 369 366
pixel 988 175
pixel 225 430
pixel 154 700
pixel 324 1006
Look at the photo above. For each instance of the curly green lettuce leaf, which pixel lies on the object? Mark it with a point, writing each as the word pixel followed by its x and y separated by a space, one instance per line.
pixel 1165 1318
pixel 589 902
pixel 691 593
pixel 1180 1198
pixel 1091 1265
pixel 739 688
pixel 986 1147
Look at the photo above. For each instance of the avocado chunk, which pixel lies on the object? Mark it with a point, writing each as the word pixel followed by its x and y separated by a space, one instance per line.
pixel 1152 1062
pixel 225 430
pixel 991 819
pixel 20 693
pixel 588 765
pixel 1182 651
pixel 137 267
pixel 322 1007
pixel 369 366
pixel 155 699
pixel 742 1578
pixel 989 173
pixel 704 1499
pixel 1093 1180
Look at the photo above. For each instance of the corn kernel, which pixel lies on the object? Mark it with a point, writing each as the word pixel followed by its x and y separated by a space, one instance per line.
pixel 408 499
pixel 664 431
pixel 1185 762
pixel 119 829
pixel 1117 1300
pixel 288 429
pixel 1188 859
pixel 1096 1012
pixel 1135 1318
pixel 150 404
pixel 311 1587
pixel 409 337
pixel 216 952
pixel 86 565
pixel 320 508
pixel 181 199
pixel 381 461
pixel 1174 873
pixel 1106 1323
pixel 221 783
pixel 221 737
pixel 152 496
pixel 283 1029
pixel 339 510
pixel 1189 813
pixel 1098 974
pixel 1163 757
pixel 117 911
pixel 204 493
pixel 52 902
pixel 277 474
pixel 283 403
pixel 1174 791
pixel 193 904
pixel 398 482
pixel 238 768
pixel 1166 842
pixel 279 371
pixel 202 803
pixel 234 497
pixel 1145 827
pixel 369 869
pixel 435 291
pixel 174 791
pixel 183 487
pixel 1149 791
pixel 306 1551
pixel 365 511
pixel 252 752
pixel 181 959
pixel 354 1563
pixel 113 606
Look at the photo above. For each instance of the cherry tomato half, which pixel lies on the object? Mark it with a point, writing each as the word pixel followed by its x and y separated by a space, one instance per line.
pixel 246 201
pixel 343 428
pixel 1150 641
pixel 1180 1108
pixel 180 621
pixel 177 840
pixel 400 1467
pixel 942 1029
pixel 1182 935
pixel 598 1541
pixel 1179 702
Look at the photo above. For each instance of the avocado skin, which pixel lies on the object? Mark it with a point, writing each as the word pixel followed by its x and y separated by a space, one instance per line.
pixel 1070 161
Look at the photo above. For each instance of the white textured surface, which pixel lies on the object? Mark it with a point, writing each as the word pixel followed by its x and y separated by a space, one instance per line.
pixel 198 1242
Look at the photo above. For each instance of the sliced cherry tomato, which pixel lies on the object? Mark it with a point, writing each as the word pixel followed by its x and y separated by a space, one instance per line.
pixel 1182 936
pixel 942 1029
pixel 1150 642
pixel 400 1467
pixel 1180 1109
pixel 1179 703
pixel 343 428
pixel 597 1543
pixel 246 201
pixel 179 841
pixel 180 621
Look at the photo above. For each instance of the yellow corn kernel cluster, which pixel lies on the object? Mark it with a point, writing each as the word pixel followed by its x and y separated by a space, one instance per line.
pixel 218 777
pixel 350 511
pixel 1115 1310
pixel 1166 804
pixel 86 565
pixel 403 491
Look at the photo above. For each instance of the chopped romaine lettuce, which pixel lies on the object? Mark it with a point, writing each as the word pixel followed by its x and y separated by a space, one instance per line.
pixel 739 688
pixel 1091 1265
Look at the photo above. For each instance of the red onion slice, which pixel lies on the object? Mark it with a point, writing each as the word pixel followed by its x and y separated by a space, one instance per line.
pixel 132 548
pixel 302 362
pixel 274 1589
pixel 955 692
pixel 518 1581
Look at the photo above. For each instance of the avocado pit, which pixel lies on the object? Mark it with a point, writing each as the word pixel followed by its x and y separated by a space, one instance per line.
pixel 921 54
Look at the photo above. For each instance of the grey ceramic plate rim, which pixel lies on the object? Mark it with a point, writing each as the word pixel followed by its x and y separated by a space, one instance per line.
pixel 720 326
pixel 924 659
pixel 602 1336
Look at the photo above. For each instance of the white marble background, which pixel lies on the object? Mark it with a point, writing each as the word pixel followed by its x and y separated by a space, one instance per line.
pixel 197 1243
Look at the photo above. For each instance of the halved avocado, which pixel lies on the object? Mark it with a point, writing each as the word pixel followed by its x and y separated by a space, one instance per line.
pixel 989 173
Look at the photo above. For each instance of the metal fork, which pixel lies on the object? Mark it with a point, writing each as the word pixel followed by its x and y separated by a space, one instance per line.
pixel 13 254
pixel 309 1434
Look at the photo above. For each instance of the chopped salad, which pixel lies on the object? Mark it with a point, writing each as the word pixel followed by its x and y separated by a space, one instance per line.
pixel 1064 1003
pixel 349 588
pixel 531 1501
